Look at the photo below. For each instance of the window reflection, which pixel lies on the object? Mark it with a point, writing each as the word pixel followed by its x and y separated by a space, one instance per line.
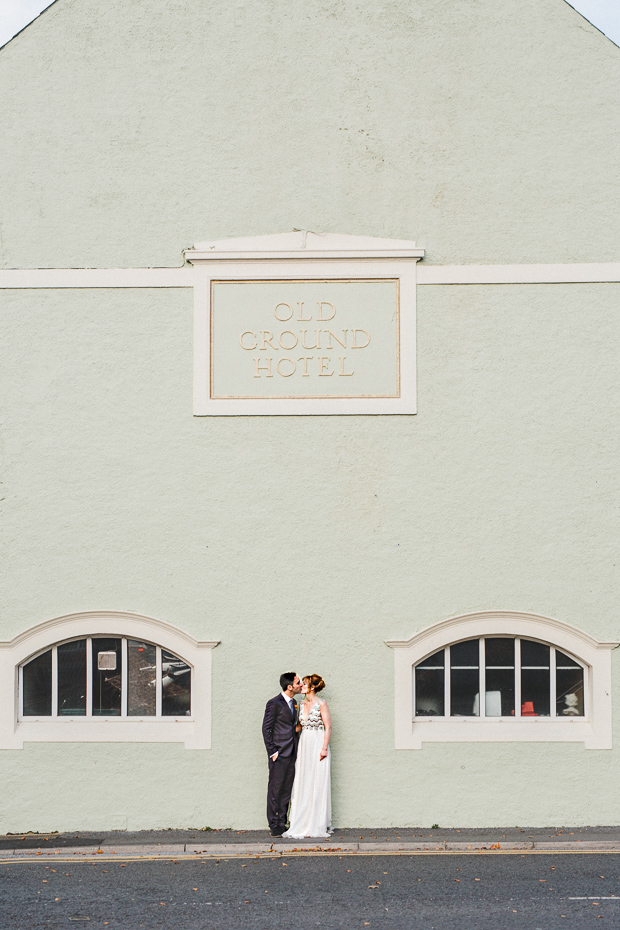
pixel 106 677
pixel 429 686
pixel 104 691
pixel 141 679
pixel 72 678
pixel 37 686
pixel 569 686
pixel 175 686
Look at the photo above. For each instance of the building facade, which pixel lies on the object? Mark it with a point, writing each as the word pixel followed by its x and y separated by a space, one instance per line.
pixel 425 513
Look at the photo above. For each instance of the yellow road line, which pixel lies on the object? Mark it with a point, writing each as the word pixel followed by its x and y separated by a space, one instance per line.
pixel 92 860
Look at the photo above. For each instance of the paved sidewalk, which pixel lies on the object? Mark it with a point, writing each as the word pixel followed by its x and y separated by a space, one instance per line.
pixel 214 843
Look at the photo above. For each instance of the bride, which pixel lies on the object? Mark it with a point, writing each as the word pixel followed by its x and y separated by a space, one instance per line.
pixel 311 801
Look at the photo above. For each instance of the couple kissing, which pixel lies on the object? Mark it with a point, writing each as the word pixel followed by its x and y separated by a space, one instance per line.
pixel 296 737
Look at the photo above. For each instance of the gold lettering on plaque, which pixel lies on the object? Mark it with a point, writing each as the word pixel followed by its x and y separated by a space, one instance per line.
pixel 305 359
pixel 283 319
pixel 258 367
pixel 318 339
pixel 247 333
pixel 331 336
pixel 288 332
pixel 285 374
pixel 288 340
pixel 320 317
pixel 355 345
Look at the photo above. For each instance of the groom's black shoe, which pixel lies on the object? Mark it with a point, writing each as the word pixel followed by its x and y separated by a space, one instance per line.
pixel 278 831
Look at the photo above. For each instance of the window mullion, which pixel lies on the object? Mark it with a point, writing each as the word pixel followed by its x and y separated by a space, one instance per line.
pixel 517 677
pixel 447 692
pixel 552 682
pixel 89 677
pixel 482 688
pixel 124 677
pixel 158 677
pixel 54 681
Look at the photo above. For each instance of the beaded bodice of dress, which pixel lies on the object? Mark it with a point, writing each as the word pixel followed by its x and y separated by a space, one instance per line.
pixel 313 721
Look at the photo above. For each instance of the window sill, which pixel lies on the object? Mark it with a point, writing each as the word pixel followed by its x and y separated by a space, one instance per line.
pixel 107 729
pixel 502 730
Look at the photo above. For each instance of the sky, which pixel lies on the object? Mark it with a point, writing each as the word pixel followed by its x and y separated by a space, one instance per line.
pixel 15 14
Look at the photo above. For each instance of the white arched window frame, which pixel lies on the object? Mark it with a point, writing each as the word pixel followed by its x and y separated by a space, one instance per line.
pixel 594 729
pixel 194 731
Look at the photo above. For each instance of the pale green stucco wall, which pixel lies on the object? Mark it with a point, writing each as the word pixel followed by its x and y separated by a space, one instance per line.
pixel 482 129
pixel 485 129
pixel 325 535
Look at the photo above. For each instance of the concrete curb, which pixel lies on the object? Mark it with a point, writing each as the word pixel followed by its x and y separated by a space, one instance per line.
pixel 232 850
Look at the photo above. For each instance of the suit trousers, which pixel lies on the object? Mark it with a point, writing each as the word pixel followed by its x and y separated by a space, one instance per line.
pixel 279 789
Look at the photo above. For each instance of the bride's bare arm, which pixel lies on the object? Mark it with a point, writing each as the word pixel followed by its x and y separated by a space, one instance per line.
pixel 327 723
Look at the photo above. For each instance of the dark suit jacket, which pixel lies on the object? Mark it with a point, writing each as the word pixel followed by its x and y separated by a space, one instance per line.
pixel 279 727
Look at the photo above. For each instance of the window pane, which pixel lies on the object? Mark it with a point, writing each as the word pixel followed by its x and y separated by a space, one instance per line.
pixel 107 679
pixel 569 686
pixel 429 686
pixel 464 679
pixel 565 661
pixel 72 678
pixel 37 686
pixel 465 654
pixel 500 677
pixel 535 679
pixel 175 686
pixel 499 653
pixel 534 655
pixel 436 661
pixel 535 698
pixel 141 679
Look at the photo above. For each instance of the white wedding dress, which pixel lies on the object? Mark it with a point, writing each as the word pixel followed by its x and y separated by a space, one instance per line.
pixel 311 800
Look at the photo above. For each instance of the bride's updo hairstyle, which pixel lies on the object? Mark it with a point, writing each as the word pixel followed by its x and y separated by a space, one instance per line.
pixel 314 682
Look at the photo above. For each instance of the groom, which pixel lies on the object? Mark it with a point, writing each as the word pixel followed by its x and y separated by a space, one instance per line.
pixel 281 738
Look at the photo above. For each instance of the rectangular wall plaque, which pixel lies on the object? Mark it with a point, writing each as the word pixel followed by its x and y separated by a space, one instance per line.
pixel 304 330
pixel 314 339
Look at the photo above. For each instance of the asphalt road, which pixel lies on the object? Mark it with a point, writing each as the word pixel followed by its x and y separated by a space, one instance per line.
pixel 443 892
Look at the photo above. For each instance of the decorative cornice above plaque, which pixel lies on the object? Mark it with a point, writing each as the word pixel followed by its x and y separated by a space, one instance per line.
pixel 302 243
pixel 304 323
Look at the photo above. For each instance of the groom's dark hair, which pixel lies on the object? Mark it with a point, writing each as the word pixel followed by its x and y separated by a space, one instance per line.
pixel 287 679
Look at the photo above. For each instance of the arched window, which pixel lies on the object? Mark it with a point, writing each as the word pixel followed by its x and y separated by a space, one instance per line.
pixel 502 676
pixel 518 678
pixel 108 676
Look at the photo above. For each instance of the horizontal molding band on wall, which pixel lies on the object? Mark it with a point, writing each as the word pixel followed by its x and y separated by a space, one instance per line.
pixel 519 274
pixel 96 277
pixel 33 278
